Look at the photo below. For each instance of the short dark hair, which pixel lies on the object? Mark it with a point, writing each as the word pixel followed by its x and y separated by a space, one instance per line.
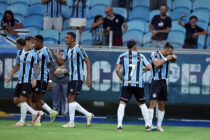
pixel 168 46
pixel 72 34
pixel 131 44
pixel 29 38
pixel 21 41
pixel 40 38
pixel 97 18
pixel 193 17
pixel 164 5
pixel 61 50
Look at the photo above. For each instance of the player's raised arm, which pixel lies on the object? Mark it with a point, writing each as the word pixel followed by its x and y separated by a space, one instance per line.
pixel 13 71
pixel 159 63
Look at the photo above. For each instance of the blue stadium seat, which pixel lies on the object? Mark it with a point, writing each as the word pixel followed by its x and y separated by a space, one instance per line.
pixel 208 42
pixel 209 29
pixel 32 2
pixel 3 7
pixel 66 24
pixel 182 4
pixel 19 17
pixel 86 38
pixel 89 23
pixel 95 11
pixel 140 13
pixel 135 35
pixel 1 16
pixel 66 11
pixel 202 15
pixel 33 21
pixel 176 38
pixel 33 31
pixel 36 9
pixel 19 8
pixel 169 4
pixel 136 25
pixel 19 1
pixel 203 25
pixel 100 2
pixel 121 11
pixel 177 27
pixel 141 3
pixel 63 35
pixel 147 27
pixel 147 40
pixel 201 41
pixel 153 13
pixel 201 4
pixel 176 14
pixel 50 36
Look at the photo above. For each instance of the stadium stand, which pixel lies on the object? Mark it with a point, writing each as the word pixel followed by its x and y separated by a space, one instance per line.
pixel 89 23
pixel 66 11
pixel 141 3
pixel 19 1
pixel 136 25
pixel 33 21
pixel 3 6
pixel 86 38
pixel 177 27
pixel 198 4
pixel 36 9
pixel 104 3
pixel 51 37
pixel 66 24
pixel 133 34
pixel 33 31
pixel 121 11
pixel 176 14
pixel 201 41
pixel 139 13
pixel 182 4
pixel 176 38
pixel 19 8
pixel 32 2
pixel 147 40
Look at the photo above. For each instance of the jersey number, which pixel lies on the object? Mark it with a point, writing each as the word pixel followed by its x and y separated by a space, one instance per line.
pixel 132 66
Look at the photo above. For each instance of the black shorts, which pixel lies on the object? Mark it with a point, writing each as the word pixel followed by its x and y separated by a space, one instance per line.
pixel 74 86
pixel 127 91
pixel 158 90
pixel 41 87
pixel 23 89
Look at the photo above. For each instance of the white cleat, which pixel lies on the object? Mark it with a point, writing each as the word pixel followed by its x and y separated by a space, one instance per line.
pixel 153 128
pixel 18 124
pixel 159 128
pixel 68 125
pixel 89 119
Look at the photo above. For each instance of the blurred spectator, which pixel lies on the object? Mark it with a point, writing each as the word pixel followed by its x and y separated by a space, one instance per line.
pixel 59 91
pixel 192 32
pixel 9 23
pixel 160 26
pixel 20 43
pixel 98 31
pixel 78 18
pixel 53 18
pixel 114 22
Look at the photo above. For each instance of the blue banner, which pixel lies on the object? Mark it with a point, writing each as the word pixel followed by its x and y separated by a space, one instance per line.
pixel 188 83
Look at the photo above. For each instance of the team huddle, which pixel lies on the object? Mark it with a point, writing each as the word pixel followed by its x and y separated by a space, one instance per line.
pixel 35 64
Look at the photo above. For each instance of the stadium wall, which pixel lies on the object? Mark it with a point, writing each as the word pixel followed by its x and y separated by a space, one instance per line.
pixel 188 84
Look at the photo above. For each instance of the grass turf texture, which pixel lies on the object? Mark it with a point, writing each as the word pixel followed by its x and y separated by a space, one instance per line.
pixel 98 132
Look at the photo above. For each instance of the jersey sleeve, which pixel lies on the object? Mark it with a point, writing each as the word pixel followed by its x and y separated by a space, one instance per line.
pixel 200 29
pixel 65 54
pixel 18 57
pixel 154 55
pixel 35 58
pixel 145 61
pixel 169 22
pixel 119 60
pixel 49 56
pixel 82 52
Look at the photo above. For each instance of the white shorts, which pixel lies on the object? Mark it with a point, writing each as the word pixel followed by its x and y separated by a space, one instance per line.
pixel 56 23
pixel 78 22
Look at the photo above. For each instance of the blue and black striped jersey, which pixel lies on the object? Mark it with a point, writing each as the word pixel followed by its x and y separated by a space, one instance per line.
pixel 27 60
pixel 158 73
pixel 75 58
pixel 44 58
pixel 132 64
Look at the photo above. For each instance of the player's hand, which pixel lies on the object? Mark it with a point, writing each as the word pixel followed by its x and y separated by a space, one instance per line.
pixel 34 83
pixel 154 32
pixel 174 56
pixel 88 82
pixel 54 52
pixel 169 57
pixel 7 80
pixel 49 86
pixel 182 16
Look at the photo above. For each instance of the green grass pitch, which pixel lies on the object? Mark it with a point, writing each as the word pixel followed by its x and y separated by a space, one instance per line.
pixel 98 132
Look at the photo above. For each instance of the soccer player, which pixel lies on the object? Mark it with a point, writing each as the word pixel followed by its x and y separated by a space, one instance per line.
pixel 75 55
pixel 26 62
pixel 44 79
pixel 159 74
pixel 20 43
pixel 132 64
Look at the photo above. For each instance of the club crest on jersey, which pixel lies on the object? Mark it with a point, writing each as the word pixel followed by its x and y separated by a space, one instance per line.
pixel 117 20
pixel 154 95
pixel 23 92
